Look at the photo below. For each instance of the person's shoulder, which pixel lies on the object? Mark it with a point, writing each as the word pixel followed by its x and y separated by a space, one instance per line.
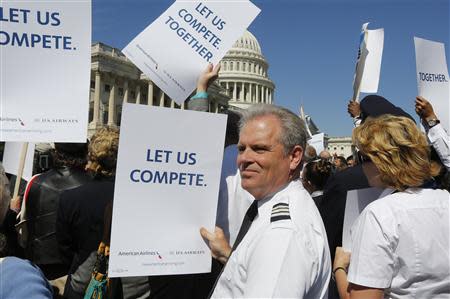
pixel 347 179
pixel 294 208
pixel 16 271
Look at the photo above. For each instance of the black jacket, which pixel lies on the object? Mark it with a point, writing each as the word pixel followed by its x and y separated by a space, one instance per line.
pixel 42 198
pixel 80 223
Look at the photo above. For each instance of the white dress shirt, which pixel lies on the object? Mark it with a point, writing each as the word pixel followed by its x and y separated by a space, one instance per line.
pixel 286 258
pixel 400 243
pixel 440 141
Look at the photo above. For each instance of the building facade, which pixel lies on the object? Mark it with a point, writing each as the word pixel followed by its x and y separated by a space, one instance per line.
pixel 116 80
pixel 341 146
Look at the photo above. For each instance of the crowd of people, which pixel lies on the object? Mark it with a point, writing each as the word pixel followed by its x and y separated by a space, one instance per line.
pixel 280 213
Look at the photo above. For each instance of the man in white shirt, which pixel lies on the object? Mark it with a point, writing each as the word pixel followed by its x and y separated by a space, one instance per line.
pixel 281 250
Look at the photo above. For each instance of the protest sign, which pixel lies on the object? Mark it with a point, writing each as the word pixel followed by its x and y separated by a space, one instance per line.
pixel 167 184
pixel 45 70
pixel 432 77
pixel 356 202
pixel 189 35
pixel 317 141
pixel 11 159
pixel 368 65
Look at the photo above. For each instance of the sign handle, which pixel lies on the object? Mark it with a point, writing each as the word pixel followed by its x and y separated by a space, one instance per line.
pixel 23 155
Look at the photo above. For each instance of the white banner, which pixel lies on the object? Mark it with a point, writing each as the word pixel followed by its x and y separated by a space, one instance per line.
pixel 175 49
pixel 317 141
pixel 357 201
pixel 11 159
pixel 167 184
pixel 368 67
pixel 45 49
pixel 432 77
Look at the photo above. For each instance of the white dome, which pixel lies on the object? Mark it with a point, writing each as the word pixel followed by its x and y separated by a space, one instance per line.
pixel 247 41
pixel 243 73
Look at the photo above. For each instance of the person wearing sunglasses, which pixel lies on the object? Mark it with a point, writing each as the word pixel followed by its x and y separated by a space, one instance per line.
pixel 400 242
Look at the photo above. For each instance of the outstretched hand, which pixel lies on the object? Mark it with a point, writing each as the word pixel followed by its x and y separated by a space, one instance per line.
pixel 220 248
pixel 207 77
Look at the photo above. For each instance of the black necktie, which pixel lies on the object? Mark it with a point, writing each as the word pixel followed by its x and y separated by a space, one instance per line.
pixel 246 223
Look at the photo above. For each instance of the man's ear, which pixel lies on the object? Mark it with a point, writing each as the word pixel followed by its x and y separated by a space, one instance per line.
pixel 296 157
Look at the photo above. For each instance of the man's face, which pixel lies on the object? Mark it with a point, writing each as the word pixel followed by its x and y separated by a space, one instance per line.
pixel 262 163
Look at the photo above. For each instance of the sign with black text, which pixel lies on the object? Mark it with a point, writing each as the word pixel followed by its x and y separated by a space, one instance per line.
pixel 175 49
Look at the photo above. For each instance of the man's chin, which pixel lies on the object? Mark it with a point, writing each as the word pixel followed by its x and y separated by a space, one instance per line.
pixel 246 184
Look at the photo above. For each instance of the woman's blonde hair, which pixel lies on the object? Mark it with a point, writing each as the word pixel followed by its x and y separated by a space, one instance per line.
pixel 102 153
pixel 398 149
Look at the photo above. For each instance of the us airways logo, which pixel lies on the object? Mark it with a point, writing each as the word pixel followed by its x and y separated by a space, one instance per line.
pixel 46 120
pixel 12 120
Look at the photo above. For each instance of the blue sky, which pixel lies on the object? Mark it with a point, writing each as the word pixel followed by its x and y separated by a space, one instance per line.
pixel 311 46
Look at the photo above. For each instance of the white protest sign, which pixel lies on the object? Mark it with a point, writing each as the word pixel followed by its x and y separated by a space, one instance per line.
pixel 11 159
pixel 432 77
pixel 367 73
pixel 167 184
pixel 317 141
pixel 189 35
pixel 303 117
pixel 356 202
pixel 45 70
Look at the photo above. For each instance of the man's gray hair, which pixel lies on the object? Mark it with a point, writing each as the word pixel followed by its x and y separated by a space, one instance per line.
pixel 293 131
pixel 5 197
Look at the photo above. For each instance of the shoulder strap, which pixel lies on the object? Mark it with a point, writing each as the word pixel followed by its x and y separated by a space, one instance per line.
pixel 280 211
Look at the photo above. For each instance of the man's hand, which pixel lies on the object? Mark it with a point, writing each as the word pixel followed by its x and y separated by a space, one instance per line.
pixel 207 77
pixel 341 258
pixel 424 109
pixel 220 249
pixel 353 109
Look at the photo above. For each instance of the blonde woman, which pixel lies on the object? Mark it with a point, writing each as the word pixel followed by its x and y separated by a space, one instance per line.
pixel 400 243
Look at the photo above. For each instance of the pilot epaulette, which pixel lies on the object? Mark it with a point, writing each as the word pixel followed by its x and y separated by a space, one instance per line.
pixel 280 211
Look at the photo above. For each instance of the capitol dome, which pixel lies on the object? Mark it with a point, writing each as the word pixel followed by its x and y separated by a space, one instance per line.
pixel 243 73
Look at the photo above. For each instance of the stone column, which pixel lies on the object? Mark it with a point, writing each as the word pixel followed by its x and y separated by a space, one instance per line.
pixel 271 96
pixel 263 93
pixel 138 94
pixel 227 86
pixel 235 91
pixel 241 94
pixel 258 93
pixel 98 82
pixel 172 103
pixel 150 93
pixel 112 104
pixel 250 92
pixel 267 95
pixel 161 99
pixel 125 91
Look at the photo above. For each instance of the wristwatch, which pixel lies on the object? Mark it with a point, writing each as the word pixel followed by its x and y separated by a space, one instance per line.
pixel 432 122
